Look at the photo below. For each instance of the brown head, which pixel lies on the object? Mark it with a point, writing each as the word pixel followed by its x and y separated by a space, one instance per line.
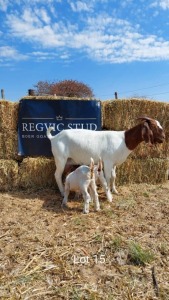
pixel 152 131
pixel 149 130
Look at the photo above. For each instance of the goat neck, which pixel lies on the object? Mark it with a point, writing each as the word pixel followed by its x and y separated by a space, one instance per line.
pixel 133 137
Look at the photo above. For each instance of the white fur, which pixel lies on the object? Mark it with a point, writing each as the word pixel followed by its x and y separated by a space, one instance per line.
pixel 82 180
pixel 158 124
pixel 99 177
pixel 80 145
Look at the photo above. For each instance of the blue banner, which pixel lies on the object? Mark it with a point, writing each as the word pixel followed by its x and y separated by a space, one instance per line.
pixel 35 116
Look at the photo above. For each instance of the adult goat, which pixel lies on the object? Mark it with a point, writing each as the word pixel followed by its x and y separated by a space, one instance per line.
pixel 112 146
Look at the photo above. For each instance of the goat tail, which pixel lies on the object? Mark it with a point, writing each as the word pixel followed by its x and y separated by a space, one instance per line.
pixel 91 168
pixel 48 132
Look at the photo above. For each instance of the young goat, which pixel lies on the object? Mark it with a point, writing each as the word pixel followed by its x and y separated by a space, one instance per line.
pixel 98 172
pixel 83 180
pixel 112 146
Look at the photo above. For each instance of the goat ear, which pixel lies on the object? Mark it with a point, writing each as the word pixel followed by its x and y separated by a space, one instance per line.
pixel 91 163
pixel 147 134
pixel 100 165
pixel 144 118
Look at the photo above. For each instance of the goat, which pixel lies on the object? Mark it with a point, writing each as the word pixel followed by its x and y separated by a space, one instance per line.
pixel 98 172
pixel 83 180
pixel 112 146
pixel 99 177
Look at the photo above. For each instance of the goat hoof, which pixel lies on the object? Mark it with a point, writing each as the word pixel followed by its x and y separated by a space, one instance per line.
pixel 98 209
pixel 110 199
pixel 64 205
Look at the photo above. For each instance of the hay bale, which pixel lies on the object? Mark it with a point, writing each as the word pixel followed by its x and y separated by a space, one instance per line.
pixel 8 175
pixel 2 147
pixel 144 151
pixel 150 170
pixel 9 145
pixel 122 115
pixel 8 115
pixel 37 173
pixel 52 97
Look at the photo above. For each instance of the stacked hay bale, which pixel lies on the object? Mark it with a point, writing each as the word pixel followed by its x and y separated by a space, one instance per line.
pixel 8 145
pixel 16 171
pixel 145 163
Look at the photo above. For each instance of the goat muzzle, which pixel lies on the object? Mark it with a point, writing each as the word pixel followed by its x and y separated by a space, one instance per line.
pixel 160 139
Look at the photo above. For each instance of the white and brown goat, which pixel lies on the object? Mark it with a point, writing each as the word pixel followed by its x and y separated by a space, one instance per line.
pixel 112 146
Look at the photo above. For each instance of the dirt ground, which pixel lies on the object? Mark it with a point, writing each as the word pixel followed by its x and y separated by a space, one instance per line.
pixel 119 253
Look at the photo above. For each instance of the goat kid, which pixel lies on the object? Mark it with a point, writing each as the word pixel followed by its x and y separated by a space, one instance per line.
pixel 112 146
pixel 83 180
pixel 99 176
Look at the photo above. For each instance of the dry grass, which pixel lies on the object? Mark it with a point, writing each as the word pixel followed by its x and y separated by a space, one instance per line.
pixel 48 253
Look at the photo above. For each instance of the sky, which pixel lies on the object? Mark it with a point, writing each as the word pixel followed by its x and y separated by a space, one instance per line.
pixel 111 45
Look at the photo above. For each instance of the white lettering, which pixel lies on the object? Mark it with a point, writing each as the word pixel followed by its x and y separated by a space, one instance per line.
pixel 31 126
pixel 78 125
pixel 99 259
pixel 28 136
pixel 24 127
pixel 93 126
pixel 80 259
pixel 60 126
pixel 46 126
pixel 69 126
pixel 40 136
pixel 90 126
pixel 39 126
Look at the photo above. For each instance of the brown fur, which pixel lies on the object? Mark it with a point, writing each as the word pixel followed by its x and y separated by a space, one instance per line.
pixel 68 169
pixel 146 131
